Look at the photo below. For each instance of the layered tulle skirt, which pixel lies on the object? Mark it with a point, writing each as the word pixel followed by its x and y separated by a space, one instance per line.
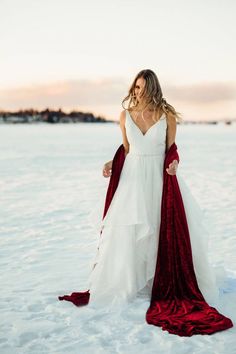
pixel 126 254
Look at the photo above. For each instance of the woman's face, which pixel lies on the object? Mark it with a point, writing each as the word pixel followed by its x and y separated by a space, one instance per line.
pixel 139 86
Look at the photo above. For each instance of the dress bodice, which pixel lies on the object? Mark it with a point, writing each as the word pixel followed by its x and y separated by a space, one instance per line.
pixel 153 142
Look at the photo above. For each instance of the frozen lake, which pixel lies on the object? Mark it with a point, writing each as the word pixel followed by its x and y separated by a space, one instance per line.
pixel 50 179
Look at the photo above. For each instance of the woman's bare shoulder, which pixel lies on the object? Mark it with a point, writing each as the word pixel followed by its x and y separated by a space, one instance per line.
pixel 171 118
pixel 122 116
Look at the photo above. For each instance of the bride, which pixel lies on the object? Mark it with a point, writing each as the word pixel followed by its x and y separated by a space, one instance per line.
pixel 152 241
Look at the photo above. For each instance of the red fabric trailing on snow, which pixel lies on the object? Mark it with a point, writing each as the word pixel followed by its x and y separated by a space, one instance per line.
pixel 78 299
pixel 177 305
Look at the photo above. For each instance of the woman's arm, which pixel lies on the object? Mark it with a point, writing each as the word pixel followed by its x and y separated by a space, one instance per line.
pixel 107 168
pixel 171 130
pixel 170 139
pixel 123 130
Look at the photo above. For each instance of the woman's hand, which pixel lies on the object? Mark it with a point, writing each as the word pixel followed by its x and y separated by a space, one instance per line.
pixel 171 170
pixel 107 169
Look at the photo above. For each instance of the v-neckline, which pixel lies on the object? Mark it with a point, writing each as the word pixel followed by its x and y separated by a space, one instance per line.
pixel 144 134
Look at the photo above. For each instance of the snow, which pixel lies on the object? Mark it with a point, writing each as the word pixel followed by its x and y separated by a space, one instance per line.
pixel 50 179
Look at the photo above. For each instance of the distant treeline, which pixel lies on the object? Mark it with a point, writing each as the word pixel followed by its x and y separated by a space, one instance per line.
pixel 58 116
pixel 49 116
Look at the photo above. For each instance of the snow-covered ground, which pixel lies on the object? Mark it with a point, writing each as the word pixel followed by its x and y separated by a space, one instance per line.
pixel 50 179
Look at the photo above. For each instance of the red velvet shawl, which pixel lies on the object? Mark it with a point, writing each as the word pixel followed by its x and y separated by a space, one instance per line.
pixel 177 304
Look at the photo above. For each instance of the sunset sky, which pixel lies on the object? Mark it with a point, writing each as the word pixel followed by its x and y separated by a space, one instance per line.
pixel 84 54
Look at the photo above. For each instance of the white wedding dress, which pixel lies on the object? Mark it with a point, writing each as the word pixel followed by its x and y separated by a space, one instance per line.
pixel 125 261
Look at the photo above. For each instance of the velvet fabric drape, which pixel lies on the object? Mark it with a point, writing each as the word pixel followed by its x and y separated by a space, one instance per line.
pixel 177 304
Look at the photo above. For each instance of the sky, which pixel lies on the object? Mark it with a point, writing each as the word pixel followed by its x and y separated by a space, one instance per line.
pixel 74 54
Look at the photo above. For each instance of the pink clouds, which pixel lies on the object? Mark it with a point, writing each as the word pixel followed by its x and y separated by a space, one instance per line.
pixel 209 100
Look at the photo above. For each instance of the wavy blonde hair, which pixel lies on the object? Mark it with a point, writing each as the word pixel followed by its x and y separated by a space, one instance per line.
pixel 152 93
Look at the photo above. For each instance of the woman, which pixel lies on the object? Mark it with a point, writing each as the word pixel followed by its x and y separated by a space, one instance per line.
pixel 141 105
pixel 144 245
pixel 151 126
